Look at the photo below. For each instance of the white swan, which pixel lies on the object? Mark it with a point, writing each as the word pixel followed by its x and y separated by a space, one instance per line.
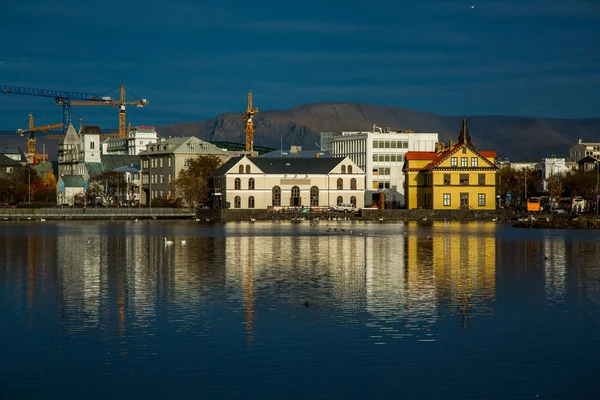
pixel 168 242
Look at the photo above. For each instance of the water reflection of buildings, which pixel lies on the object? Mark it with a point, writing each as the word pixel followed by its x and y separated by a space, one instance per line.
pixel 555 269
pixel 410 277
pixel 295 269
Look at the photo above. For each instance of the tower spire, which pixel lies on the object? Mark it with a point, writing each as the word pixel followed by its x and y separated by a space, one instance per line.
pixel 464 137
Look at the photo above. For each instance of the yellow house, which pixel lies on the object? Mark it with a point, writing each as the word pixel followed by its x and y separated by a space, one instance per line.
pixel 452 177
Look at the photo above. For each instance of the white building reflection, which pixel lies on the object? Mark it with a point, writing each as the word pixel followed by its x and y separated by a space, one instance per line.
pixel 555 269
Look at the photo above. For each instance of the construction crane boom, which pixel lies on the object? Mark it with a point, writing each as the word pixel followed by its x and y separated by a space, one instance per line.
pixel 32 155
pixel 249 118
pixel 62 98
pixel 121 103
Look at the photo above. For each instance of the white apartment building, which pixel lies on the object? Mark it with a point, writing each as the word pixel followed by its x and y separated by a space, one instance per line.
pixel 381 155
pixel 583 149
pixel 137 140
pixel 552 166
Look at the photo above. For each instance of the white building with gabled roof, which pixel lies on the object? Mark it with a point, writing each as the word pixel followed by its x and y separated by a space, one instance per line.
pixel 262 182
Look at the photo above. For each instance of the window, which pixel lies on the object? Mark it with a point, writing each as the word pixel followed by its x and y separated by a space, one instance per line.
pixel 353 201
pixel 162 162
pixel 343 169
pixel 186 162
pixel 464 179
pixel 241 169
pixel 247 169
pixel 251 202
pixel 446 179
pixel 237 184
pixel 162 178
pixel 349 169
pixel 251 184
pixel 237 202
pixel 481 199
pixel 192 146
pixel 353 184
pixel 340 184
pixel 464 162
pixel 92 145
pixel 169 162
pixel 474 161
pixel 446 199
pixel 454 161
pixel 393 143
pixel 9 170
pixel 375 144
pixel 481 179
pixel 314 196
pixel 375 157
pixel 276 196
pixel 464 149
pixel 339 200
pixel 170 178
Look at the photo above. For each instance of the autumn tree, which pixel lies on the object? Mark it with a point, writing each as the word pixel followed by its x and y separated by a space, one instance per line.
pixel 47 189
pixel 581 183
pixel 195 182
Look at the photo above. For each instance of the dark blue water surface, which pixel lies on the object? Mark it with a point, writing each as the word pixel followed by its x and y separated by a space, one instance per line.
pixel 95 310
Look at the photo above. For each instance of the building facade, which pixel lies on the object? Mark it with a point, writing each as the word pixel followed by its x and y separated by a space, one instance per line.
pixel 452 177
pixel 381 155
pixel 135 142
pixel 262 182
pixel 583 149
pixel 550 167
pixel 162 162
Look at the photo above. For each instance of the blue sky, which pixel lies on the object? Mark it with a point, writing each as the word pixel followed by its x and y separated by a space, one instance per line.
pixel 193 60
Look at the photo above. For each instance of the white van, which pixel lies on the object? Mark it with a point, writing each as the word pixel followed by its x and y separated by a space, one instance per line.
pixel 343 207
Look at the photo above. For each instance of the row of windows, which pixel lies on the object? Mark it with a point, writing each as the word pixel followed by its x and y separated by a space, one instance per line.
pixel 390 144
pixel 381 171
pixel 464 199
pixel 252 184
pixel 464 179
pixel 381 184
pixel 160 162
pixel 464 161
pixel 388 157
pixel 295 199
pixel 159 178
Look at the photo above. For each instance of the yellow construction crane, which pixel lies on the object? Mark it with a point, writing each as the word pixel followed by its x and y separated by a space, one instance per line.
pixel 120 103
pixel 248 117
pixel 32 156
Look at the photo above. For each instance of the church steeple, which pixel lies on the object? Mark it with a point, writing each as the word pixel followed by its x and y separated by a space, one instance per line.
pixel 464 137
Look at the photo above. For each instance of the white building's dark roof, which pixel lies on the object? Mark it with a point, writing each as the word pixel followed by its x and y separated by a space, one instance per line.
pixel 312 165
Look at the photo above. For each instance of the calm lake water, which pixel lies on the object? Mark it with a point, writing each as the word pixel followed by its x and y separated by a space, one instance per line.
pixel 94 310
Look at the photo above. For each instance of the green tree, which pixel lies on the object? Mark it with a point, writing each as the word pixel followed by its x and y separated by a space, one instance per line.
pixel 105 186
pixel 195 182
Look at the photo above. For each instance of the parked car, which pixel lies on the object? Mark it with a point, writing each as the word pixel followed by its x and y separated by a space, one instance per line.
pixel 345 208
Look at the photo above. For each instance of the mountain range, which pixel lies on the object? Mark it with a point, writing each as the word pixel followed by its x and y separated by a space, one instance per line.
pixel 516 138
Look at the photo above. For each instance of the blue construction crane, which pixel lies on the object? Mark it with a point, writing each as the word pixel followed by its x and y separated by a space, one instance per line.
pixel 61 97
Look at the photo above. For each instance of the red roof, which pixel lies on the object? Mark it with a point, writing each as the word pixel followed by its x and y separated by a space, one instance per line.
pixel 488 153
pixel 421 155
